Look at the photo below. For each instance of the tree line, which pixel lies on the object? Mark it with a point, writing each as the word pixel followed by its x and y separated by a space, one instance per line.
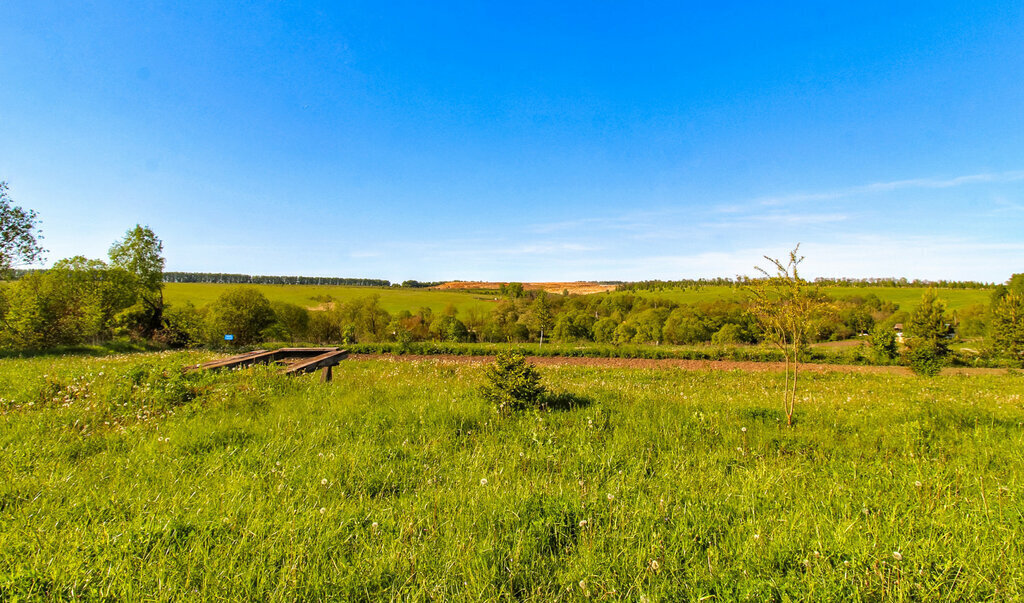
pixel 251 279
pixel 660 285
pixel 81 300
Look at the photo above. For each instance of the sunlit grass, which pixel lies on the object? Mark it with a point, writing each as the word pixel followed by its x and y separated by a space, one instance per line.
pixel 125 479
pixel 392 299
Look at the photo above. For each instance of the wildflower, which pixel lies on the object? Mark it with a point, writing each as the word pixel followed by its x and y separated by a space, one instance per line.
pixel 323 482
pixel 744 430
pixel 897 556
pixel 611 497
pixel 373 526
pixel 483 481
pixel 655 565
pixel 918 484
pixel 583 523
pixel 322 510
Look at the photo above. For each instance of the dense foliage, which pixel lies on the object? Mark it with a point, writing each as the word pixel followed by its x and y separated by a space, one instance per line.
pixel 19 234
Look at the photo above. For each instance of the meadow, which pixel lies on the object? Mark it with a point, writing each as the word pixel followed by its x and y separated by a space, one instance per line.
pixel 392 299
pixel 125 478
pixel 906 297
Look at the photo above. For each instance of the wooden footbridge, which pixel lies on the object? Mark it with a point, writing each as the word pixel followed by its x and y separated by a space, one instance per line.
pixel 294 361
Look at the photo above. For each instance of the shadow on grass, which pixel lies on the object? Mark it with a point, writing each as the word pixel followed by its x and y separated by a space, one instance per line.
pixel 105 349
pixel 564 401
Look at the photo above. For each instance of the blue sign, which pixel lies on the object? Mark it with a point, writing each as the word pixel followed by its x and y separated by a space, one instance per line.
pixel 229 338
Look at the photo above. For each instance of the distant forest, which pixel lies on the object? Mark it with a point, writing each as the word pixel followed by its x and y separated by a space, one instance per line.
pixel 825 282
pixel 250 279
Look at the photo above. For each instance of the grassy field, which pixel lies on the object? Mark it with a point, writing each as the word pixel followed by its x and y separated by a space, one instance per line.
pixel 392 299
pixel 395 299
pixel 124 479
pixel 907 297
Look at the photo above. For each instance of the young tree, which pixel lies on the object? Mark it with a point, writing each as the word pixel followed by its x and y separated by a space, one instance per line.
pixel 926 334
pixel 512 383
pixel 1007 328
pixel 539 316
pixel 139 253
pixel 788 309
pixel 19 235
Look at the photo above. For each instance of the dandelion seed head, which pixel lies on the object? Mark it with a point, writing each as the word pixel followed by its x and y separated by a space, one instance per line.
pixel 483 481
pixel 897 556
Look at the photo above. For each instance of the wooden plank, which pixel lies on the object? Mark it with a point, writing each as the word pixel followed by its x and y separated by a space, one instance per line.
pixel 317 362
pixel 230 360
pixel 260 357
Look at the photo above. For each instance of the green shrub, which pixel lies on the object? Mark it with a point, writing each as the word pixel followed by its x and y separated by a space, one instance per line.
pixel 925 360
pixel 512 383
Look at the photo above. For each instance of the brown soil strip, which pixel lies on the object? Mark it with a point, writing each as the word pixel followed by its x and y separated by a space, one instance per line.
pixel 670 363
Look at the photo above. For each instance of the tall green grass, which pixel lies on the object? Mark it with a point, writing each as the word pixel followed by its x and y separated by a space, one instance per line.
pixel 126 479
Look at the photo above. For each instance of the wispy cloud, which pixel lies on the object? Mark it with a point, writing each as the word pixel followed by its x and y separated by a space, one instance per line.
pixel 1005 206
pixel 884 187
pixel 778 218
pixel 927 257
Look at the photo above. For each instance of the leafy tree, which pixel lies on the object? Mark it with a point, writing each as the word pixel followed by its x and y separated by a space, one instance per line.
pixel 1016 283
pixel 512 290
pixel 73 302
pixel 625 333
pixel 449 328
pixel 788 309
pixel 19 235
pixel 926 335
pixel 729 334
pixel 883 343
pixel 243 312
pixel 185 326
pixel 512 384
pixel 139 253
pixel 1007 329
pixel 294 320
pixel 539 316
pixel 686 325
pixel 972 321
pixel 604 330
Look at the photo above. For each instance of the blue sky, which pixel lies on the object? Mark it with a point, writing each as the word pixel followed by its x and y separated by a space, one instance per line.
pixel 523 141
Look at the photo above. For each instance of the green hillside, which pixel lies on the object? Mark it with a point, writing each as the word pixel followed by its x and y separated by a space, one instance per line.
pixel 391 299
pixel 906 297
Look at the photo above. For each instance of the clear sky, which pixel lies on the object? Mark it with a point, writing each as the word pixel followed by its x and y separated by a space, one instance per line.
pixel 523 140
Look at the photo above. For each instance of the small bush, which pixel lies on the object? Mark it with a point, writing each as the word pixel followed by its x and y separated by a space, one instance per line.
pixel 512 383
pixel 925 361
